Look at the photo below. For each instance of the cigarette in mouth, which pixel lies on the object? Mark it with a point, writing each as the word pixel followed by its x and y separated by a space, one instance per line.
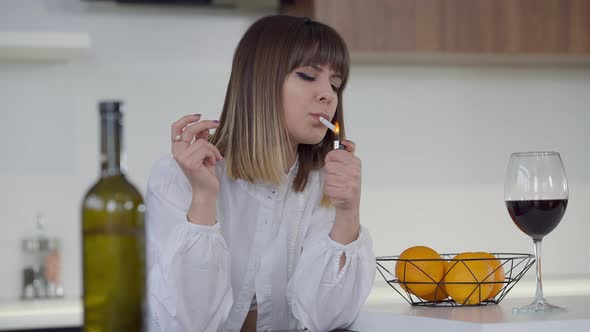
pixel 327 124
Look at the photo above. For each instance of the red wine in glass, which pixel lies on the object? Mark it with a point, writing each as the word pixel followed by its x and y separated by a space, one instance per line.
pixel 537 218
pixel 536 195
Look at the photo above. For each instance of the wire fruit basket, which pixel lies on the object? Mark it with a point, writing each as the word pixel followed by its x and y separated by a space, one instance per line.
pixel 515 265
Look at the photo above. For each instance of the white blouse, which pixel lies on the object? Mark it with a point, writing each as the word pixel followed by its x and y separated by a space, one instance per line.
pixel 269 242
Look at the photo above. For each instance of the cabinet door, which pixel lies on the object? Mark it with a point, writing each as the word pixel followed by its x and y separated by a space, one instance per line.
pixel 543 27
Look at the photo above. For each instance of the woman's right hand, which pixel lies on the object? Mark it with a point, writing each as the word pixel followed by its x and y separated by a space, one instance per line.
pixel 195 155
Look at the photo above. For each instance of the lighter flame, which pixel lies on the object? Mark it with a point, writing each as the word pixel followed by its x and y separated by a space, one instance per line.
pixel 336 128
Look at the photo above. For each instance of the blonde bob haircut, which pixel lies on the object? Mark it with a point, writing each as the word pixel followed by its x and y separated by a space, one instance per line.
pixel 251 134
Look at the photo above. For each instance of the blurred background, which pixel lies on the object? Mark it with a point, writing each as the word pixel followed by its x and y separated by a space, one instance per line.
pixel 440 94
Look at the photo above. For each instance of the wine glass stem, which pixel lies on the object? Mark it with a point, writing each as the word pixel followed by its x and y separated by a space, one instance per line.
pixel 539 294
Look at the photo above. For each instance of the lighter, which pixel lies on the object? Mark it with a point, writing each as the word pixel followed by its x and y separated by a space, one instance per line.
pixel 338 145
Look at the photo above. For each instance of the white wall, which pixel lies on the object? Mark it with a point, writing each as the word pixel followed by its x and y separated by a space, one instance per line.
pixel 434 140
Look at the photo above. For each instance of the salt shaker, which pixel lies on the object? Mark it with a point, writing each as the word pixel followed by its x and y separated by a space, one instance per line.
pixel 41 265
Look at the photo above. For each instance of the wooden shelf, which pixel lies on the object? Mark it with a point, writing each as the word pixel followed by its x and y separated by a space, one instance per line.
pixel 468 59
pixel 502 31
pixel 42 46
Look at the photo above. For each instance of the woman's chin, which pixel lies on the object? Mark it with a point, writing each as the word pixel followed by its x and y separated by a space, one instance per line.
pixel 312 140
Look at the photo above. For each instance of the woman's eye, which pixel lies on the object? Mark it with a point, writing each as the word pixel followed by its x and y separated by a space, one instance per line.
pixel 305 76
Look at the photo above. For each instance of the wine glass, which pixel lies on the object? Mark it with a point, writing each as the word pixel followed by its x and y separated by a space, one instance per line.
pixel 536 195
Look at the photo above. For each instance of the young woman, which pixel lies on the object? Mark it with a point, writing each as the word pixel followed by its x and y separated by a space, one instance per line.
pixel 257 226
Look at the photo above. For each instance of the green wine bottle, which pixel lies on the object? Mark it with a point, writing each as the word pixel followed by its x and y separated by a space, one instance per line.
pixel 113 238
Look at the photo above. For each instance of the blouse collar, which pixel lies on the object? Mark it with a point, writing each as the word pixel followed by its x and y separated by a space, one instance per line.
pixel 271 192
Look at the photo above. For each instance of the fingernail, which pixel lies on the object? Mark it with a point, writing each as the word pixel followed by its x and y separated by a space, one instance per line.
pixel 199 115
pixel 215 121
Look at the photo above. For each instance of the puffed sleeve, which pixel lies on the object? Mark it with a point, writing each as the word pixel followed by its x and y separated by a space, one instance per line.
pixel 189 285
pixel 323 296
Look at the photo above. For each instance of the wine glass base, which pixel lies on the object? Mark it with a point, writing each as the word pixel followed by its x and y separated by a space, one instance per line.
pixel 539 305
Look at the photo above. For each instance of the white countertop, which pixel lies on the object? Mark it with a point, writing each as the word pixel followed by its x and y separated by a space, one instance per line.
pixel 566 285
pixel 32 314
pixel 383 309
pixel 490 318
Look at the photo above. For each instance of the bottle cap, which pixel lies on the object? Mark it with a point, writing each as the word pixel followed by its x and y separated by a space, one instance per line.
pixel 110 106
pixel 40 242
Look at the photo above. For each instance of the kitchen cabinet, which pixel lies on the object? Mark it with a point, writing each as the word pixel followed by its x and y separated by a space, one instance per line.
pixel 505 28
pixel 42 46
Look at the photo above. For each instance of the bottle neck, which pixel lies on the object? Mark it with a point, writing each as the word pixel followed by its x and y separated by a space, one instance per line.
pixel 111 144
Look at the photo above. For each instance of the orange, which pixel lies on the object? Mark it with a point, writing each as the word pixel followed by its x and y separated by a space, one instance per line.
pixel 440 292
pixel 420 276
pixel 463 276
pixel 498 274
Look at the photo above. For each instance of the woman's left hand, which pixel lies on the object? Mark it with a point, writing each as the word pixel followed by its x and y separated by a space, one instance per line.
pixel 342 183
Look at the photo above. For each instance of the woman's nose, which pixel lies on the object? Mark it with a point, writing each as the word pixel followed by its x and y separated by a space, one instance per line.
pixel 325 94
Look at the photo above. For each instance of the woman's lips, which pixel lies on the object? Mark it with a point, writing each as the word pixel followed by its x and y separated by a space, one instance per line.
pixel 318 115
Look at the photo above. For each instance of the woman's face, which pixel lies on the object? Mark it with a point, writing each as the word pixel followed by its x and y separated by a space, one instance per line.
pixel 309 93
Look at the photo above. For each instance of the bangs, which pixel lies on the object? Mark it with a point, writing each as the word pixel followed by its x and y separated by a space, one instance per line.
pixel 318 44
